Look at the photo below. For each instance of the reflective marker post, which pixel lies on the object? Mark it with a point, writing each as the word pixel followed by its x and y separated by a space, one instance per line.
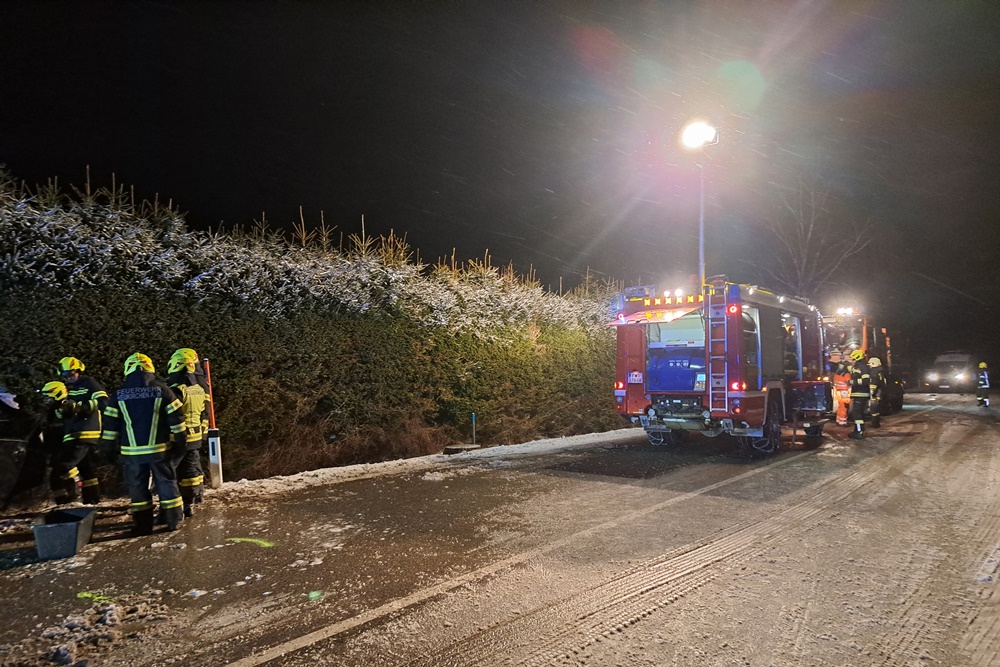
pixel 214 444
pixel 473 428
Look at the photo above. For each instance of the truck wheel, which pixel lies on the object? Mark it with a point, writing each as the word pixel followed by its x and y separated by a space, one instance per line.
pixel 667 438
pixel 814 431
pixel 768 442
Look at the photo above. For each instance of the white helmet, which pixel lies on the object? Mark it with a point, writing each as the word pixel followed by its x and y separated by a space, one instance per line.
pixel 874 362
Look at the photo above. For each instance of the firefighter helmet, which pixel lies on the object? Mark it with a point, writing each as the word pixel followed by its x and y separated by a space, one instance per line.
pixel 982 364
pixel 185 357
pixel 139 361
pixel 56 390
pixel 67 364
pixel 874 362
pixel 857 355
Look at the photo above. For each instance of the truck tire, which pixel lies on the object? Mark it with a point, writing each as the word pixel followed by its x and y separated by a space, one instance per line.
pixel 769 441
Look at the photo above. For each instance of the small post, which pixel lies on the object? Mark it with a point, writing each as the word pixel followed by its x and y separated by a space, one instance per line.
pixel 473 428
pixel 214 443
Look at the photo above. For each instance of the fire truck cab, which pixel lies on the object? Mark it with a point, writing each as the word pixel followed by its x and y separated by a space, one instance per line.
pixel 735 359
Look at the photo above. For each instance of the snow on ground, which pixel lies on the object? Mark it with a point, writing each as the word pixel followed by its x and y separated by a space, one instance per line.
pixel 435 465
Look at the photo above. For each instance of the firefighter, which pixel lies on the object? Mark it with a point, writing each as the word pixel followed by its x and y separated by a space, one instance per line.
pixel 145 421
pixel 81 414
pixel 877 387
pixel 983 386
pixel 192 391
pixel 860 392
pixel 64 480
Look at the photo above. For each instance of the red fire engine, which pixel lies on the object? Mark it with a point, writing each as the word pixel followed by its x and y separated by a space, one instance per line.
pixel 851 329
pixel 736 359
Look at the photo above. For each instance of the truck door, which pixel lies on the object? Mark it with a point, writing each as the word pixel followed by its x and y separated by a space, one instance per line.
pixel 630 371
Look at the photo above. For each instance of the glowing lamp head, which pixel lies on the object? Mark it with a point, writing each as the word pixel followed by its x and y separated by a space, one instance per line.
pixel 699 134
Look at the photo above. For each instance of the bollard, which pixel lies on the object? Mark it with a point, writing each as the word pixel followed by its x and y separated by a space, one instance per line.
pixel 473 428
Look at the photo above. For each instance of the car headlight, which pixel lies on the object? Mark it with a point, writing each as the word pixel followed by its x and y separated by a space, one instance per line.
pixel 960 377
pixel 933 377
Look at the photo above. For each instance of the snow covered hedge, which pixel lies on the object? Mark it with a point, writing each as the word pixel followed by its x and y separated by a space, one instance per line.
pixel 73 243
pixel 356 355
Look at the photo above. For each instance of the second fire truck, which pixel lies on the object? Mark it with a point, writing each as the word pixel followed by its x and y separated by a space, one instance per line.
pixel 736 359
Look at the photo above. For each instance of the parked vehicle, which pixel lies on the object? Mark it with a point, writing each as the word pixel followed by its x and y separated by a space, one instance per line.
pixel 953 371
pixel 853 329
pixel 736 359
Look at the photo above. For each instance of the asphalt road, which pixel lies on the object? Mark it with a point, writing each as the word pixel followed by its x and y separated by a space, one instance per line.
pixel 597 551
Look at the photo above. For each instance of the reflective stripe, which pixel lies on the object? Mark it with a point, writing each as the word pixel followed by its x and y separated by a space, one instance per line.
pixel 144 505
pixel 111 412
pixel 173 502
pixel 139 451
pixel 90 482
pixel 193 481
pixel 109 435
pixel 157 402
pixel 128 427
pixel 73 472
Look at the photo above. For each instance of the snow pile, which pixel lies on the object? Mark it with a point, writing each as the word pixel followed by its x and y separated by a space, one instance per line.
pixel 434 466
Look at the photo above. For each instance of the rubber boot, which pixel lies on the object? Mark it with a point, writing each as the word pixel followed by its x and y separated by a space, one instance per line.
pixel 66 490
pixel 187 495
pixel 876 421
pixel 142 522
pixel 172 517
pixel 90 493
pixel 858 433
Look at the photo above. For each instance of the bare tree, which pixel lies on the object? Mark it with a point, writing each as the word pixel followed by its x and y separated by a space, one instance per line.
pixel 811 239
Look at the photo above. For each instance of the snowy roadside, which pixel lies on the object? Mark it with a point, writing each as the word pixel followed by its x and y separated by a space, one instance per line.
pixel 274 485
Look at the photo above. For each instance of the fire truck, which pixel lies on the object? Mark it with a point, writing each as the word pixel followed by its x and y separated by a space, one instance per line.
pixel 851 328
pixel 736 360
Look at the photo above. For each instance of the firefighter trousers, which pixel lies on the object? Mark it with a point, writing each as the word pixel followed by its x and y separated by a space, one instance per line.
pixel 137 475
pixel 74 467
pixel 190 478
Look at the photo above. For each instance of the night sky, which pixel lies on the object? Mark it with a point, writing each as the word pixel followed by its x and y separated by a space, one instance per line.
pixel 543 132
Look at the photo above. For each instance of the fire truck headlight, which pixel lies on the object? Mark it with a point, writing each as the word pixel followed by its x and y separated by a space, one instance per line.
pixel 651 412
pixel 706 414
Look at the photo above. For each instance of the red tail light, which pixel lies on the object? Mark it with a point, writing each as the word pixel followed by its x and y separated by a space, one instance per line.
pixel 619 385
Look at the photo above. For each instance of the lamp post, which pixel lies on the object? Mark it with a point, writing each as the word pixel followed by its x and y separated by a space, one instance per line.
pixel 696 135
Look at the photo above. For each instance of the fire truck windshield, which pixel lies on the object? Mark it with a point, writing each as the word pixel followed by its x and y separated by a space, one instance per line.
pixel 676 354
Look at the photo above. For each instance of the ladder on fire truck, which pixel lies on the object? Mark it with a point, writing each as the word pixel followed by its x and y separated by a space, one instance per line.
pixel 718 376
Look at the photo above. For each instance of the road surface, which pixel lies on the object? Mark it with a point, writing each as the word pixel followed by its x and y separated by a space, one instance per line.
pixel 596 551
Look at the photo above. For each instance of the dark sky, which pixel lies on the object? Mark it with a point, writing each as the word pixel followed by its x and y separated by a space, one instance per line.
pixel 545 132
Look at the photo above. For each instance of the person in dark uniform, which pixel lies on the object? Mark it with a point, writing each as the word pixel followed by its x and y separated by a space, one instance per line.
pixel 191 389
pixel 983 386
pixel 144 421
pixel 81 414
pixel 877 387
pixel 860 392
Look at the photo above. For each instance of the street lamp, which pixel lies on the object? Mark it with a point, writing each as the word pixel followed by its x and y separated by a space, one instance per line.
pixel 699 134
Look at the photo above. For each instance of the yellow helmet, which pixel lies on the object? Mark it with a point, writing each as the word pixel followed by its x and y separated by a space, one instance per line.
pixel 67 364
pixel 857 355
pixel 181 358
pixel 139 361
pixel 875 362
pixel 56 390
pixel 982 364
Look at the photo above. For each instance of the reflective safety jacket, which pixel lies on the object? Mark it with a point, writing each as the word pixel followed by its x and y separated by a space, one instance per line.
pixel 877 381
pixel 142 417
pixel 90 399
pixel 195 399
pixel 860 380
pixel 982 379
